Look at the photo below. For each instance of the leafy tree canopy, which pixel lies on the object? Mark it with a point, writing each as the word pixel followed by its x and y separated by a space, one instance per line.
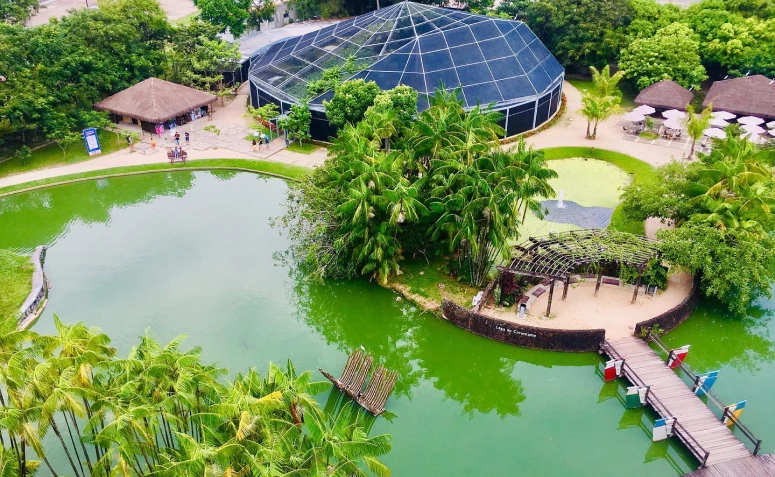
pixel 672 53
pixel 350 101
pixel 231 15
pixel 17 11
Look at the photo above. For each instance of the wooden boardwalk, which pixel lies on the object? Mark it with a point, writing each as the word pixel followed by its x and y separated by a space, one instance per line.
pixel 750 466
pixel 703 433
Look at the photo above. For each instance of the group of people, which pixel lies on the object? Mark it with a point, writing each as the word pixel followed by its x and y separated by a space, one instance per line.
pixel 175 138
pixel 259 140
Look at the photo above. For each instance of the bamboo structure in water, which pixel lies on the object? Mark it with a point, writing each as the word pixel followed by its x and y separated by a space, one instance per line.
pixel 354 375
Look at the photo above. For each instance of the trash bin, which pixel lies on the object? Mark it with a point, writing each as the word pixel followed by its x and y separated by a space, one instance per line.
pixel 522 310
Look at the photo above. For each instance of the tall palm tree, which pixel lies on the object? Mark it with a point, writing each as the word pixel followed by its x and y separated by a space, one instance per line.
pixel 597 109
pixel 696 124
pixel 606 84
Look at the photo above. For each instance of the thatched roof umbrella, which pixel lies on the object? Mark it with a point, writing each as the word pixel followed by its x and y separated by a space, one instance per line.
pixel 155 101
pixel 666 94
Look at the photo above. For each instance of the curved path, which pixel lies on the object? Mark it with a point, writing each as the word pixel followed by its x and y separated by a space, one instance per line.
pixel 570 130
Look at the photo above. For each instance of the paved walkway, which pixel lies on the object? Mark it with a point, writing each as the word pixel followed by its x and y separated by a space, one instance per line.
pixel 571 130
pixel 57 8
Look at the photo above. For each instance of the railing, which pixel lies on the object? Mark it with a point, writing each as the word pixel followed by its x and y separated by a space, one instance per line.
pixel 689 441
pixel 712 397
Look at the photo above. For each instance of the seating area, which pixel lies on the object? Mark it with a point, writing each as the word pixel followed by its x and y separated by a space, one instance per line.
pixel 179 156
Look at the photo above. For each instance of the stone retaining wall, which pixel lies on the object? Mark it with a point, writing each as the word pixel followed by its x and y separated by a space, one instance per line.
pixel 39 285
pixel 521 335
pixel 670 319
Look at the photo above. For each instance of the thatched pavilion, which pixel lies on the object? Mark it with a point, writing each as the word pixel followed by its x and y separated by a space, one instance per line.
pixel 155 101
pixel 746 96
pixel 666 94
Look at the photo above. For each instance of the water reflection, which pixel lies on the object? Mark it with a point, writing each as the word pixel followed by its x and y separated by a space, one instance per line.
pixel 52 210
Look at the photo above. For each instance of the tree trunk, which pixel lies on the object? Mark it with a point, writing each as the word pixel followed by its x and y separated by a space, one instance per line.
pixel 691 151
pixel 83 446
pixel 67 451
pixel 594 133
pixel 589 135
pixel 72 440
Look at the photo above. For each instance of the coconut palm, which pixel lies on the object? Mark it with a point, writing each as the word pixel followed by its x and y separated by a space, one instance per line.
pixel 597 109
pixel 606 84
pixel 696 124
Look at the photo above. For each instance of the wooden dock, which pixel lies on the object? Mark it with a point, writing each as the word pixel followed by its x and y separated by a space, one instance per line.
pixel 354 375
pixel 750 466
pixel 704 434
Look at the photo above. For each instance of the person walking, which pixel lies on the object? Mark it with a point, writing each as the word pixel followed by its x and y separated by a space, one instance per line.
pixel 255 145
pixel 187 138
pixel 177 138
pixel 265 138
pixel 153 143
pixel 166 144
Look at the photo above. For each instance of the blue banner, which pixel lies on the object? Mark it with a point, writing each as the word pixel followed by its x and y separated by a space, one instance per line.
pixel 705 382
pixel 92 141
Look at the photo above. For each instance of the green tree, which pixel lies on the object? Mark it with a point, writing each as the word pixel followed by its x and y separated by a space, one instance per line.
pixel 231 15
pixel 580 32
pixel 597 109
pixel 17 11
pixel 350 101
pixel 306 9
pixel 297 123
pixel 261 11
pixel 604 83
pixel 696 124
pixel 672 53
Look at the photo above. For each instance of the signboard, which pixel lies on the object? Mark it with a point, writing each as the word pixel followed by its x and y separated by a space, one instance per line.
pixel 92 141
pixel 663 428
pixel 705 382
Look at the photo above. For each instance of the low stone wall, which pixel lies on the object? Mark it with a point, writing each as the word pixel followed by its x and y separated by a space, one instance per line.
pixel 521 335
pixel 39 286
pixel 670 319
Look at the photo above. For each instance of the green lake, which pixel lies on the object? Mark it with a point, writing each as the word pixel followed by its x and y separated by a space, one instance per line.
pixel 194 253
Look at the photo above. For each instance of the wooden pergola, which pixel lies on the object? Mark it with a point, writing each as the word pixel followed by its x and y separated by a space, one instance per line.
pixel 557 257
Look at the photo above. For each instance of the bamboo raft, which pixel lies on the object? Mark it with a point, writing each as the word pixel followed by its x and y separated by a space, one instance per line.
pixel 354 375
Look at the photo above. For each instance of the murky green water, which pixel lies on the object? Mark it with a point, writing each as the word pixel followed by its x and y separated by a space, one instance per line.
pixel 193 253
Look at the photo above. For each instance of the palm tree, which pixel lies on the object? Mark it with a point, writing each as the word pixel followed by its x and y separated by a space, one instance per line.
pixel 604 83
pixel 696 124
pixel 597 109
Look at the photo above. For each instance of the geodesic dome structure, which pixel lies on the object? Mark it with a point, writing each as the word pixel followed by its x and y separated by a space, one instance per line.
pixel 492 60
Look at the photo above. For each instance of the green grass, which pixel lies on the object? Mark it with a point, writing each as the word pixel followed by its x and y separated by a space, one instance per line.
pixel 306 148
pixel 263 130
pixel 51 155
pixel 628 92
pixel 267 167
pixel 423 279
pixel 642 174
pixel 183 21
pixel 650 135
pixel 15 281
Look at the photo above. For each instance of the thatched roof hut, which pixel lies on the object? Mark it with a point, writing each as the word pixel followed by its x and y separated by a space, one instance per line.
pixel 746 96
pixel 155 101
pixel 666 94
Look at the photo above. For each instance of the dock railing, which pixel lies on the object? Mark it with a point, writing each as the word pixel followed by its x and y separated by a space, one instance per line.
pixel 651 399
pixel 712 397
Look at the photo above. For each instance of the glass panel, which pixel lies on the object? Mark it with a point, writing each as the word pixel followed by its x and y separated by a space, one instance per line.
pixel 387 26
pixel 442 22
pixel 414 65
pixel 311 54
pixel 474 74
pixel 346 49
pixel 495 48
pixel 329 44
pixel 309 36
pixel 311 73
pixel 438 60
pixel 448 77
pixel 485 30
pixel 403 34
pixel 325 32
pixel 292 64
pixel 470 20
pixel 378 39
pixel 283 53
pixel 505 26
pixel 394 62
pixel 422 102
pixel 296 88
pixel 432 43
pixel 540 79
pixel 323 97
pixel 519 123
pixel 527 60
pixel 404 22
pixel 302 44
pixel 271 75
pixel 329 61
pixel 347 33
pixel 482 94
pixel 525 33
pixel 395 45
pixel 459 36
pixel 384 80
pixel 505 67
pixel 515 41
pixel 515 88
pixel 424 28
pixel 552 67
pixel 370 50
pixel 414 80
pixel 466 54
pixel 539 50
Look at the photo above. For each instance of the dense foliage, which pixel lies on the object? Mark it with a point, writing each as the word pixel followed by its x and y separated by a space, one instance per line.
pixel 162 411
pixel 437 184
pixel 722 209
pixel 17 11
pixel 56 72
pixel 603 100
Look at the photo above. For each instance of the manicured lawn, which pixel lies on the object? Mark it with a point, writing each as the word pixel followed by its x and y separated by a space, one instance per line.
pixel 15 281
pixel 642 174
pixel 628 93
pixel 423 279
pixel 650 135
pixel 273 168
pixel 306 148
pixel 51 155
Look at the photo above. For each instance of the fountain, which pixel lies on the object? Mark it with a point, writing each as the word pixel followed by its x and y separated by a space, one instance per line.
pixel 560 204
